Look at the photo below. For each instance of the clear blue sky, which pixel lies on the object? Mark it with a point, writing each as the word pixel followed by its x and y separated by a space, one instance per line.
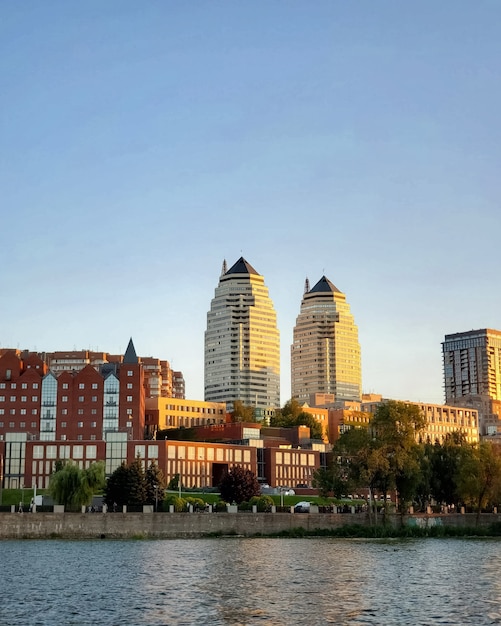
pixel 143 143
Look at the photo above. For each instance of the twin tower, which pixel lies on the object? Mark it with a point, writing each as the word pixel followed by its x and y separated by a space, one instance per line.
pixel 242 343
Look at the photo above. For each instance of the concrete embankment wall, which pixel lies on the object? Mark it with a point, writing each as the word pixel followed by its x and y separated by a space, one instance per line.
pixel 189 525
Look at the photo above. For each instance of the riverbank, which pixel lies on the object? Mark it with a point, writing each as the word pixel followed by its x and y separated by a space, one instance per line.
pixel 195 525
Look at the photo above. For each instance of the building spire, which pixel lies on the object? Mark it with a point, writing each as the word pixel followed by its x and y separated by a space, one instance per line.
pixel 225 268
pixel 306 285
pixel 130 356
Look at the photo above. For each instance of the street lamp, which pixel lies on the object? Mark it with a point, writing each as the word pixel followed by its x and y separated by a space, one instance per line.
pixel 156 497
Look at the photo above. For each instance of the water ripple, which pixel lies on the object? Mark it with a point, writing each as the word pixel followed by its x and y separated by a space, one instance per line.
pixel 251 581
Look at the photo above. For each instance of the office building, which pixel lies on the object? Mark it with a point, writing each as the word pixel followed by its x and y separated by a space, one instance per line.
pixel 472 374
pixel 325 353
pixel 242 345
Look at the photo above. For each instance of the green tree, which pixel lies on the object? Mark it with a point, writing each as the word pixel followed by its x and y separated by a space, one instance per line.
pixel 242 413
pixel 127 485
pixel 137 483
pixel 239 485
pixel 177 434
pixel 396 426
pixel 117 487
pixel 155 485
pixel 446 460
pixel 479 479
pixel 292 414
pixel 74 487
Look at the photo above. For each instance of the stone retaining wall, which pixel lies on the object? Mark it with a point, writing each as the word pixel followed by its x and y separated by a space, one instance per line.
pixel 189 525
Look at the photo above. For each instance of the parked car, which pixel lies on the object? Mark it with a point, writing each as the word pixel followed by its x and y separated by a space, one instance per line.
pixel 302 507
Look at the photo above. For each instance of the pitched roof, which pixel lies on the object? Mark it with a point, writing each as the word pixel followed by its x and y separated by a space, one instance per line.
pixel 130 355
pixel 241 267
pixel 324 284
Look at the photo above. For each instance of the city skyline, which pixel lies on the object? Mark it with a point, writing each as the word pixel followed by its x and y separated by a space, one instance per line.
pixel 143 144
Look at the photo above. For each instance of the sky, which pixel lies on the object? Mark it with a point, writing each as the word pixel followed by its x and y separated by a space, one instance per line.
pixel 141 144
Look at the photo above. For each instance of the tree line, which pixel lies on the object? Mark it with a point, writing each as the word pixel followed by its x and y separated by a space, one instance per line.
pixel 389 455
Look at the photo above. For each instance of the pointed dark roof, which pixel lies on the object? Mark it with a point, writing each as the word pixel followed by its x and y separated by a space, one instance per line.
pixel 241 267
pixel 324 284
pixel 130 355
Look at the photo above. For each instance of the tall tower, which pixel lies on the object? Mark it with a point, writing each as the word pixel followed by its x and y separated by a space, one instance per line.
pixel 472 374
pixel 242 343
pixel 325 353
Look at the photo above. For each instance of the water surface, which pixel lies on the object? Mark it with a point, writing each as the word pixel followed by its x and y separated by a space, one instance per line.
pixel 251 581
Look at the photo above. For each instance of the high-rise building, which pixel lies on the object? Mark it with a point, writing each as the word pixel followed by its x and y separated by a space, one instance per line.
pixel 472 374
pixel 242 343
pixel 325 353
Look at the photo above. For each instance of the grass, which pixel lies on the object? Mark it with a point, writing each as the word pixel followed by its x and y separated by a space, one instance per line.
pixel 357 531
pixel 15 496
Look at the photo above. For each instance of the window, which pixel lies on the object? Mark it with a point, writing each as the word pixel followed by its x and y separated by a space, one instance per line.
pixel 65 385
pixel 63 424
pixel 78 451
pixel 94 398
pixel 81 386
pixel 63 437
pixel 93 437
pixel 129 424
pixel 24 386
pixel 12 411
pixel 34 398
pixel 2 398
pixel 129 385
pixel 33 424
pixel 24 398
pixel 2 411
pixel 64 412
pixel 13 398
pixel 93 424
pixel 79 437
pixel 34 411
pixel 22 424
pixel 129 411
pixel 11 424
pixel 23 411
pixel 94 385
pixel 35 385
pixel 1 424
pixel 80 424
pixel 129 398
pixel 13 385
pixel 80 411
pixel 81 398
pixel 93 411
pixel 64 398
pixel 2 385
pixel 91 452
pixel 130 373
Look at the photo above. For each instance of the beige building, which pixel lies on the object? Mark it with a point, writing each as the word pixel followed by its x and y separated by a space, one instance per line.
pixel 242 344
pixel 325 353
pixel 441 420
pixel 163 413
pixel 472 374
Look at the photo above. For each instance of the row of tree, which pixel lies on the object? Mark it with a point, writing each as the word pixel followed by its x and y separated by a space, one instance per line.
pixel 134 486
pixel 131 484
pixel 389 455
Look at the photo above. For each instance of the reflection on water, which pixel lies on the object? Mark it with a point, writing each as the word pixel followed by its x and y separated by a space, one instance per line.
pixel 251 581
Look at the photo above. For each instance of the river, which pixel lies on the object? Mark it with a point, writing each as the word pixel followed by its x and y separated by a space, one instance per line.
pixel 251 581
